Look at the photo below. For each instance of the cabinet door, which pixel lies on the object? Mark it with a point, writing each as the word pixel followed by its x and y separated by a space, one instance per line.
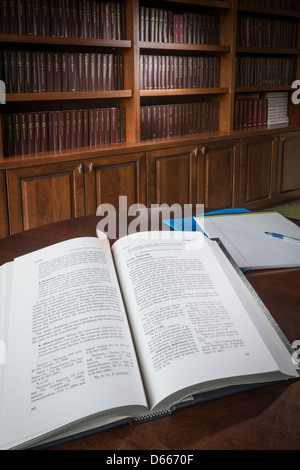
pixel 4 232
pixel 109 178
pixel 44 194
pixel 171 176
pixel 218 174
pixel 258 171
pixel 288 174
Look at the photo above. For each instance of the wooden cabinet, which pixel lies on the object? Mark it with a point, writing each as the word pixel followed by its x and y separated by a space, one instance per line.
pixel 258 171
pixel 172 176
pixel 108 178
pixel 218 174
pixel 44 194
pixel 4 231
pixel 288 168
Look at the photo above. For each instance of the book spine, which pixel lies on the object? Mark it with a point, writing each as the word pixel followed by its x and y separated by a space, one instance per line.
pixel 49 72
pixel 44 131
pixel 68 129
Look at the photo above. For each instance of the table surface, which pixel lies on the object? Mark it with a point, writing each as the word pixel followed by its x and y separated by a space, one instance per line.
pixel 265 418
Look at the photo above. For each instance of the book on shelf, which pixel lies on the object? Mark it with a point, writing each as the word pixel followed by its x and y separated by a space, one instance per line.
pixel 292 5
pixel 98 337
pixel 159 72
pixel 64 18
pixel 266 32
pixel 159 25
pixel 251 111
pixel 277 107
pixel 60 130
pixel 161 121
pixel 265 71
pixel 47 72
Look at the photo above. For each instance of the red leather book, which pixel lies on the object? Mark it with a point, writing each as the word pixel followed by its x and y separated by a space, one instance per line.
pixel 64 73
pixel 68 18
pixel 20 72
pixel 30 133
pixel 57 72
pixel 74 19
pixel 37 18
pixel 23 130
pixel 13 17
pixel 61 130
pixel 107 126
pixel 79 73
pixel 91 118
pixel 79 127
pixel 49 71
pixel 74 128
pixel 56 130
pixel 72 72
pixel 44 131
pixel 60 18
pixel 34 72
pixel 37 132
pixel 42 72
pixel 5 16
pixel 21 12
pixel 45 19
pixel 102 125
pixel 50 123
pixel 68 129
pixel 85 128
pixel 113 125
pixel 52 18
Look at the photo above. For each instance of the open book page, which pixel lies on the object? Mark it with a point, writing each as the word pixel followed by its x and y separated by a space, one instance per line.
pixel 70 352
pixel 189 325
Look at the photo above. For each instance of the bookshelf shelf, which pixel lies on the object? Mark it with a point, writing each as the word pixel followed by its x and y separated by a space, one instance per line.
pixel 19 97
pixel 60 41
pixel 261 89
pixel 184 91
pixel 268 11
pixel 182 47
pixel 267 50
pixel 204 3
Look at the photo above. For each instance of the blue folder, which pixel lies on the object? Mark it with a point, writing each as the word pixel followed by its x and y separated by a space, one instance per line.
pixel 189 224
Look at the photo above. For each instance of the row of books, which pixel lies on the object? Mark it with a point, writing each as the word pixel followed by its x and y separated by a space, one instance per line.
pixel 34 132
pixel 274 4
pixel 164 72
pixel 265 71
pixel 266 32
pixel 159 25
pixel 251 111
pixel 162 121
pixel 38 72
pixel 63 18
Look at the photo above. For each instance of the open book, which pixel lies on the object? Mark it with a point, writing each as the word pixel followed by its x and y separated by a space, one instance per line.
pixel 95 337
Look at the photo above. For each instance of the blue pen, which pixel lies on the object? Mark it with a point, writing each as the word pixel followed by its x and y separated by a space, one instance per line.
pixel 283 237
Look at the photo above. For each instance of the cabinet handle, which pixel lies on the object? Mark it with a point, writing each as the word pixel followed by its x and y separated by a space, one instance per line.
pixel 282 139
pixel 195 152
pixel 91 168
pixel 80 169
pixel 203 150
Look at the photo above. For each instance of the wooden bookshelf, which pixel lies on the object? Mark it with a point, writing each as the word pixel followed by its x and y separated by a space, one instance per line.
pixel 132 161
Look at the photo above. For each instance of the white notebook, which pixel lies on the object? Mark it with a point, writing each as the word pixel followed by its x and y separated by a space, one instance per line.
pixel 243 235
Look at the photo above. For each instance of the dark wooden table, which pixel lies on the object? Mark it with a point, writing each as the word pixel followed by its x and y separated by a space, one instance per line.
pixel 265 418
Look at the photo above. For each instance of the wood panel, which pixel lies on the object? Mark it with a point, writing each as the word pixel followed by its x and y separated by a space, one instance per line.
pixel 288 174
pixel 171 176
pixel 45 194
pixel 4 232
pixel 109 178
pixel 258 171
pixel 218 173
